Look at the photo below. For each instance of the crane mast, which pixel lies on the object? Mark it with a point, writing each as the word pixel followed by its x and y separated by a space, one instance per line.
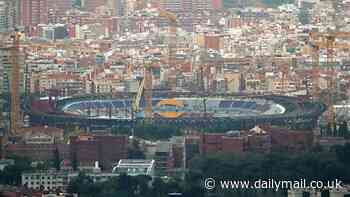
pixel 145 89
pixel 326 41
pixel 146 84
pixel 148 92
pixel 172 46
pixel 14 85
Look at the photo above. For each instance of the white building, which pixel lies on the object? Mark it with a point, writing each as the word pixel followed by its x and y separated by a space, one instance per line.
pixel 48 32
pixel 135 167
pixel 50 180
pixel 39 139
pixel 47 179
pixel 6 59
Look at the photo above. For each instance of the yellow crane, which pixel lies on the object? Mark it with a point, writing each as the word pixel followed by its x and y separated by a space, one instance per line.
pixel 145 89
pixel 130 68
pixel 326 41
pixel 148 91
pixel 172 47
pixel 137 100
pixel 146 84
pixel 285 75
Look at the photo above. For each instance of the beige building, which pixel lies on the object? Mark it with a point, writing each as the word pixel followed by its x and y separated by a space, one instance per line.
pixel 47 180
pixel 283 85
pixel 42 82
pixel 6 61
pixel 233 81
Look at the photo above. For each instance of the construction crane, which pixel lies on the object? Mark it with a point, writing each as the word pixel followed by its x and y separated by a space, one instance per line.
pixel 173 23
pixel 148 91
pixel 172 47
pixel 137 100
pixel 326 41
pixel 130 68
pixel 15 82
pixel 145 89
pixel 202 68
pixel 285 74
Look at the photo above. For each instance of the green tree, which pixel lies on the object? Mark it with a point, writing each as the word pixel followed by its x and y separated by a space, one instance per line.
pixel 159 188
pixel 328 130
pixel 343 129
pixel 126 184
pixel 11 175
pixel 83 185
pixel 43 165
pixel 320 165
pixel 56 159
pixel 314 165
pixel 342 153
pixel 142 184
pixel 335 129
pixel 134 151
pixel 74 160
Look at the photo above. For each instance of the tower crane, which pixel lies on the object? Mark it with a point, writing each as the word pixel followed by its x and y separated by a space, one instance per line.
pixel 173 23
pixel 148 91
pixel 146 84
pixel 145 89
pixel 15 82
pixel 285 74
pixel 172 47
pixel 326 41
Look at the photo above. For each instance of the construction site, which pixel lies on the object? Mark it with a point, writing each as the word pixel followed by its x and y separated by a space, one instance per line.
pixel 188 110
pixel 163 73
pixel 168 92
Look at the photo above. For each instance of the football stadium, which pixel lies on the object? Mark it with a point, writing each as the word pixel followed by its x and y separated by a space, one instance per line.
pixel 189 110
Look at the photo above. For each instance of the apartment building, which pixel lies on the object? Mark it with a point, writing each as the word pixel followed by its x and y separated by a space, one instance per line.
pixel 33 12
pixel 6 61
pixel 8 15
